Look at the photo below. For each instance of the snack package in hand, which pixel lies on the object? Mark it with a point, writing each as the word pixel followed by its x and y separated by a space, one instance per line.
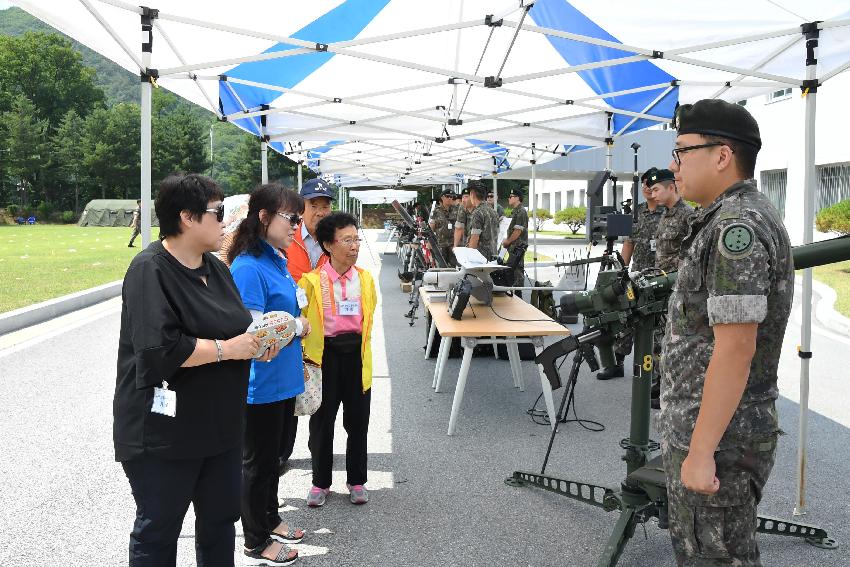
pixel 275 328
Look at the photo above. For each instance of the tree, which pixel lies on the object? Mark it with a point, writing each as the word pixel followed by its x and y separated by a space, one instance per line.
pixel 573 217
pixel 179 139
pixel 111 144
pixel 45 69
pixel 67 157
pixel 539 216
pixel 27 148
pixel 835 218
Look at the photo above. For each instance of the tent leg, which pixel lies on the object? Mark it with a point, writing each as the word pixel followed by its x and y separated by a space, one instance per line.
pixel 300 180
pixel 264 162
pixel 533 210
pixel 145 117
pixel 808 233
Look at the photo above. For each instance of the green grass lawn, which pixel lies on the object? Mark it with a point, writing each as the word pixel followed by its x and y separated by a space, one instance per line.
pixel 564 233
pixel 529 257
pixel 837 276
pixel 41 262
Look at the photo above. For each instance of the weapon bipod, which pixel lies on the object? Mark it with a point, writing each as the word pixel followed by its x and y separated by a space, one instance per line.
pixel 643 493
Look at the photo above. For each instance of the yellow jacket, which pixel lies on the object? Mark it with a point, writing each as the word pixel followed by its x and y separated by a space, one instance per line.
pixel 314 344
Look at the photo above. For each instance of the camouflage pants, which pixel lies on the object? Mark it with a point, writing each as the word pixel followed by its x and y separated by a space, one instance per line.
pixel 516 259
pixel 718 529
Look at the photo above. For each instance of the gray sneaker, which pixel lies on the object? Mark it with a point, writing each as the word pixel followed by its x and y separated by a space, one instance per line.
pixel 317 496
pixel 358 493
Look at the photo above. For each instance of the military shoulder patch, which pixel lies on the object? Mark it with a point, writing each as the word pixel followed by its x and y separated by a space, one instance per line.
pixel 736 241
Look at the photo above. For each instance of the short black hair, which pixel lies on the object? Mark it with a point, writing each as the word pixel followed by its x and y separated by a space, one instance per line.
pixel 183 192
pixel 745 154
pixel 327 227
pixel 478 188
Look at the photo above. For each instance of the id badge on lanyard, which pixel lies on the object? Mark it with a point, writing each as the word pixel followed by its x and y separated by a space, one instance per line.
pixel 164 401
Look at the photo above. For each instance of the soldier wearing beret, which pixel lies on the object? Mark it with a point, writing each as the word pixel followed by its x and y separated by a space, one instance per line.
pixel 461 235
pixel 491 200
pixel 517 241
pixel 483 222
pixel 673 225
pixel 725 322
pixel 639 250
pixel 442 223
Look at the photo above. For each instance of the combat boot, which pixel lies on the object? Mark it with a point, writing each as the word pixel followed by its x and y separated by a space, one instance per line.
pixel 615 371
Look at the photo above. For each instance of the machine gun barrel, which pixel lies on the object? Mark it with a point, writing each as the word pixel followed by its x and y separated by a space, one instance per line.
pixel 820 253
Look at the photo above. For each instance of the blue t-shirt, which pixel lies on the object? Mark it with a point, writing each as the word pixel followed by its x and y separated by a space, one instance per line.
pixel 265 285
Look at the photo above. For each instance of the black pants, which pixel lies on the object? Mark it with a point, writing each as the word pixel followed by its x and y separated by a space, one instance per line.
pixel 263 431
pixel 287 435
pixel 163 489
pixel 341 384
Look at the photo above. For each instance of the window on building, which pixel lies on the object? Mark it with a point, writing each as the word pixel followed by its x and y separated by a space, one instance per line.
pixel 557 201
pixel 545 201
pixel 780 94
pixel 772 184
pixel 570 198
pixel 833 184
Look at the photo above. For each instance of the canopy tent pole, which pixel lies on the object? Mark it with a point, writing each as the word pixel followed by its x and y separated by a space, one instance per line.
pixel 495 191
pixel 534 210
pixel 264 162
pixel 809 90
pixel 300 177
pixel 145 117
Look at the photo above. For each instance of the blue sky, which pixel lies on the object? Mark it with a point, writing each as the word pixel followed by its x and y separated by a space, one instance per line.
pixel 4 4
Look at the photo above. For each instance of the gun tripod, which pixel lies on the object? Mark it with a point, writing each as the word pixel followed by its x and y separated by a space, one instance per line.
pixel 642 495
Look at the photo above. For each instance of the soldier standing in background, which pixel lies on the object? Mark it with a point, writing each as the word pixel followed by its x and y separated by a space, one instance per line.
pixel 673 226
pixel 136 223
pixel 462 219
pixel 726 319
pixel 517 241
pixel 483 223
pixel 491 200
pixel 442 223
pixel 639 250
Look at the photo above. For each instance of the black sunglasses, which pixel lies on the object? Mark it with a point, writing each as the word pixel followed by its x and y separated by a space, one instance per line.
pixel 219 212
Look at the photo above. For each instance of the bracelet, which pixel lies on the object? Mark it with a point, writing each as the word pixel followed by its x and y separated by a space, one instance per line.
pixel 218 352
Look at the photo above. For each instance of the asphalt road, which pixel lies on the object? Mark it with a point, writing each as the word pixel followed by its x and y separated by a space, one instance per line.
pixel 436 500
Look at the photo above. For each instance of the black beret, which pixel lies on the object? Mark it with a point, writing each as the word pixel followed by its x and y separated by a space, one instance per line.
pixel 660 175
pixel 465 191
pixel 448 193
pixel 647 173
pixel 516 193
pixel 714 117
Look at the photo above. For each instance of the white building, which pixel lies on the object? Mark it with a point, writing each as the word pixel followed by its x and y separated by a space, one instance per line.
pixel 779 169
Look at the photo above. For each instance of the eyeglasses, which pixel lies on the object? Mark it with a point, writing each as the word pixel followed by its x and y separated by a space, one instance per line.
pixel 291 217
pixel 219 212
pixel 677 152
pixel 349 241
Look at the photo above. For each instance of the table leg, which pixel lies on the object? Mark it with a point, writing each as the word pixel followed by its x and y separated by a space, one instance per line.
pixel 432 330
pixel 442 357
pixel 544 383
pixel 516 365
pixel 468 347
pixel 495 350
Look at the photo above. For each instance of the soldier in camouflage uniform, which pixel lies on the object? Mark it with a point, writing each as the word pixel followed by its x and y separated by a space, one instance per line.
pixel 517 241
pixel 639 249
pixel 442 223
pixel 674 220
pixel 462 219
pixel 483 223
pixel 726 320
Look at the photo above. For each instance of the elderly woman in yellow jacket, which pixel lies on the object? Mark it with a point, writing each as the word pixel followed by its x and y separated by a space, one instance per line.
pixel 340 307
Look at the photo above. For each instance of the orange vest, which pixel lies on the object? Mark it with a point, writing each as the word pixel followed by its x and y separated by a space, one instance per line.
pixel 297 258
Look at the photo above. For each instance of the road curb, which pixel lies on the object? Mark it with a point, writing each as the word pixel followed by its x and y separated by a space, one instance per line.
pixel 52 308
pixel 826 312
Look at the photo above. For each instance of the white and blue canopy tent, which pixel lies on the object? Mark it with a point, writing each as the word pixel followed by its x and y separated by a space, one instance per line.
pixel 536 78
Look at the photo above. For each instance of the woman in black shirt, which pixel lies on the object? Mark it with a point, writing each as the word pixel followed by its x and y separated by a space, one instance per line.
pixel 183 361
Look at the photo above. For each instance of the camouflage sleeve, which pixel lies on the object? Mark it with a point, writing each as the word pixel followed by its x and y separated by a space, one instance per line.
pixel 737 275
pixel 460 222
pixel 438 219
pixel 521 220
pixel 476 224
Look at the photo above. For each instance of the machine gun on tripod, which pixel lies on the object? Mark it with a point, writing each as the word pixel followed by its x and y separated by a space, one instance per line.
pixel 621 300
pixel 415 257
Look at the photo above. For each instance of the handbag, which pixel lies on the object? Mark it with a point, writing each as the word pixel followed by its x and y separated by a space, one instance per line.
pixel 308 401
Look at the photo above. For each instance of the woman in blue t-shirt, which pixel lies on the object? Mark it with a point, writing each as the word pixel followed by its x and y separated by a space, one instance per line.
pixel 259 270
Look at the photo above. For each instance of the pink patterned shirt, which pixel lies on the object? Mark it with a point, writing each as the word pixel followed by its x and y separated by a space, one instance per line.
pixel 341 292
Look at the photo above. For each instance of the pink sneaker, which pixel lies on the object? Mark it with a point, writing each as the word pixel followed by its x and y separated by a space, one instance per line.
pixel 317 496
pixel 358 493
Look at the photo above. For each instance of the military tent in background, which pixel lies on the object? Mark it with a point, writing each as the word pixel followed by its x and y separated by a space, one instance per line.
pixel 111 212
